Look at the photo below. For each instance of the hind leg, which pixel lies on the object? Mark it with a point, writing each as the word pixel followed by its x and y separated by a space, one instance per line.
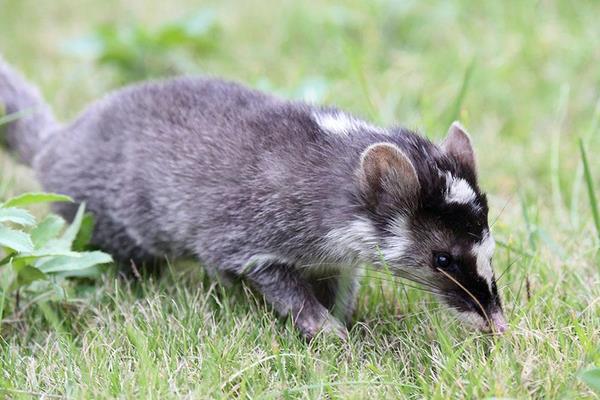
pixel 112 237
pixel 128 254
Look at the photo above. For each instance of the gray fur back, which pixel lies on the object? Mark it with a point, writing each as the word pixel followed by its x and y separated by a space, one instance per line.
pixel 208 168
pixel 204 167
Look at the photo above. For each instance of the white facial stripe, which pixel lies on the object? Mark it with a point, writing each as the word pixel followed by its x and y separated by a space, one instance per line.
pixel 395 246
pixel 483 252
pixel 338 123
pixel 359 238
pixel 459 191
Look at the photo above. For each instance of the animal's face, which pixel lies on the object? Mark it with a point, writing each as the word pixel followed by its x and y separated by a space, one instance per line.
pixel 452 246
pixel 436 235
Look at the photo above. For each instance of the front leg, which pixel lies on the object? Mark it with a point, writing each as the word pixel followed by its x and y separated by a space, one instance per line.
pixel 338 292
pixel 284 288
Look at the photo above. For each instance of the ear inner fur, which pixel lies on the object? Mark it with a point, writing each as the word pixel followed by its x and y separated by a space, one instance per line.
pixel 385 168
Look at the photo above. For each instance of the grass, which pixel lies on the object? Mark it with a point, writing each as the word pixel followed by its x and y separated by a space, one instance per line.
pixel 590 186
pixel 522 76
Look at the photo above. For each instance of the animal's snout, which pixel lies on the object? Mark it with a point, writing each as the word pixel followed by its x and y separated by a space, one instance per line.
pixel 498 323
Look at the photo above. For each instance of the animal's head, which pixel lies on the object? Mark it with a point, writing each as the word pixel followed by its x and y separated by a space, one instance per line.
pixel 431 220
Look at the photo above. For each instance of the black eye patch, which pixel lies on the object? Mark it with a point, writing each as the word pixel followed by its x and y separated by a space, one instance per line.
pixel 464 219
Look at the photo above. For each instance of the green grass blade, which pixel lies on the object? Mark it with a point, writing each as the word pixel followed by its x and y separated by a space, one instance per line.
pixel 578 178
pixel 590 187
pixel 557 195
pixel 7 118
pixel 462 93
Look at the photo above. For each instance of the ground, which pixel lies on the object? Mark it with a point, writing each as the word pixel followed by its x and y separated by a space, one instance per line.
pixel 522 76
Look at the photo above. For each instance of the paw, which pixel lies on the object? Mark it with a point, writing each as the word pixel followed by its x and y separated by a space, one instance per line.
pixel 324 323
pixel 333 326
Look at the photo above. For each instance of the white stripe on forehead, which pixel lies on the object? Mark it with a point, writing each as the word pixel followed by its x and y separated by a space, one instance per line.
pixel 458 190
pixel 483 252
pixel 339 123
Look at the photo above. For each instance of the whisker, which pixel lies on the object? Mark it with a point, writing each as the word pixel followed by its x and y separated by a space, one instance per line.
pixel 424 289
pixel 416 313
pixel 432 287
pixel 503 287
pixel 392 274
pixel 396 280
pixel 419 281
pixel 507 268
pixel 469 293
pixel 405 275
pixel 473 235
pixel 383 274
pixel 502 210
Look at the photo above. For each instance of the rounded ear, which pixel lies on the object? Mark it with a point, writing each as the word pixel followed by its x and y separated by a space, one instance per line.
pixel 385 169
pixel 458 145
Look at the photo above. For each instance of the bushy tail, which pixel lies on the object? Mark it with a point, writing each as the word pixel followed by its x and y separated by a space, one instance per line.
pixel 30 118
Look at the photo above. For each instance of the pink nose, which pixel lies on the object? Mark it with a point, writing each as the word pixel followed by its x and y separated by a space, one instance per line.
pixel 499 323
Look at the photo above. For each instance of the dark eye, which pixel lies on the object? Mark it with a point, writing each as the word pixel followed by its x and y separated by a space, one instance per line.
pixel 442 260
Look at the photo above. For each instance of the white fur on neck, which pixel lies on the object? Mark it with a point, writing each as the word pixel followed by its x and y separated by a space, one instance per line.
pixel 358 239
pixel 396 245
pixel 342 124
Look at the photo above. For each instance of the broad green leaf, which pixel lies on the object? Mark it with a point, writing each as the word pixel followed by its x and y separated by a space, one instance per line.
pixel 71 232
pixel 592 378
pixel 91 272
pixel 84 235
pixel 44 254
pixel 71 263
pixel 64 243
pixel 15 240
pixel 46 230
pixel 35 198
pixel 16 216
pixel 56 246
pixel 27 274
pixel 50 253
